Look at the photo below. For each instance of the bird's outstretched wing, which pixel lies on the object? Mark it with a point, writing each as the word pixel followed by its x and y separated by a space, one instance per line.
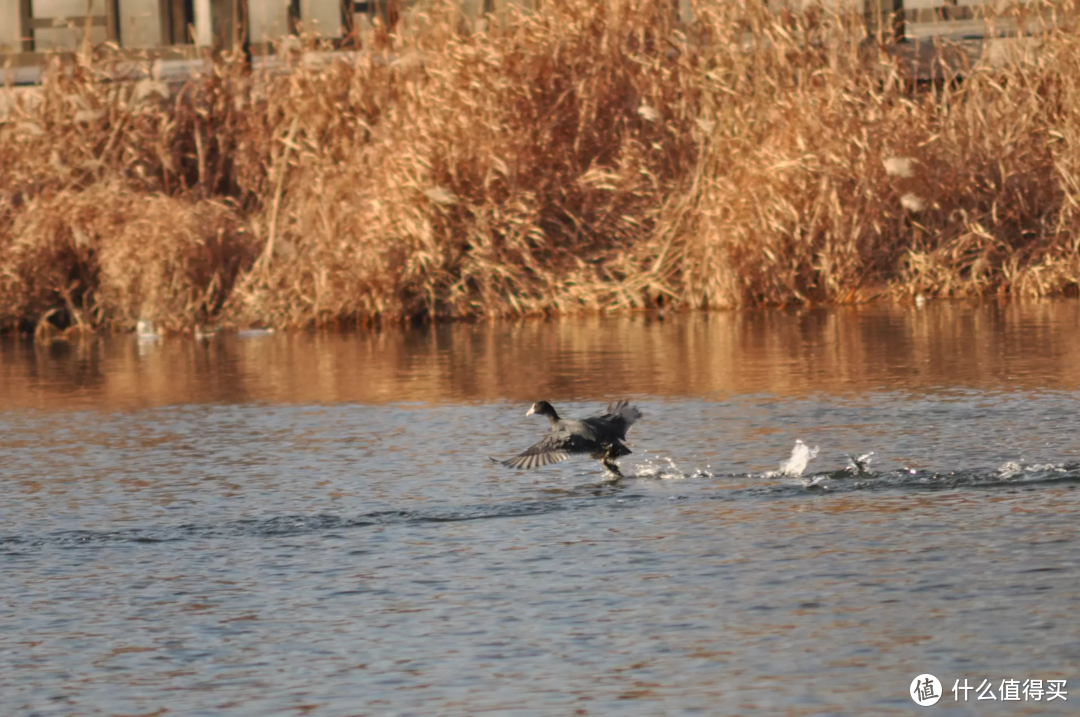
pixel 533 458
pixel 619 417
pixel 554 448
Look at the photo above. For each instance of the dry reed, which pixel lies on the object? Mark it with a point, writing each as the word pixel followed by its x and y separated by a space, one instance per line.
pixel 591 155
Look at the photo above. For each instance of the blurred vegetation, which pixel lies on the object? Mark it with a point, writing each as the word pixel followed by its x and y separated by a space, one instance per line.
pixel 587 156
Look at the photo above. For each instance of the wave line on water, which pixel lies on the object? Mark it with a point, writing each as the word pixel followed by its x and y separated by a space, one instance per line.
pixel 289 525
pixel 848 479
pixel 857 476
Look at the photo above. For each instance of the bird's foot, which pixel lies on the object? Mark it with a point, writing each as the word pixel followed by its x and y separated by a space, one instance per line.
pixel 612 468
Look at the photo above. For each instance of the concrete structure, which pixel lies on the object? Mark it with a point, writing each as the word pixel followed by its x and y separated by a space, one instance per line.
pixel 177 28
pixel 51 25
pixel 61 25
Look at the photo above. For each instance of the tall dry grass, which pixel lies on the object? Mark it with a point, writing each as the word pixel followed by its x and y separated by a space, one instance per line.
pixel 591 155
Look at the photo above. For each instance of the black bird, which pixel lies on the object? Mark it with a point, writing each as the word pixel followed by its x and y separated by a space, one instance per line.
pixel 600 437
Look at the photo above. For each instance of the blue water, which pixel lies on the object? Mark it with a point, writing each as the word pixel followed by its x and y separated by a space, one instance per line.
pixel 308 523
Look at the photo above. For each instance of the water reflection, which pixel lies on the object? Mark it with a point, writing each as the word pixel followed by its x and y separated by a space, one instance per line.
pixel 705 355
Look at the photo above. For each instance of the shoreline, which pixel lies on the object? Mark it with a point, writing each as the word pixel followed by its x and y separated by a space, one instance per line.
pixel 206 333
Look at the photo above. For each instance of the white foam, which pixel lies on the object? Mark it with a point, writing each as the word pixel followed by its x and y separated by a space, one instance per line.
pixel 1014 469
pixel 1010 469
pixel 648 469
pixel 793 467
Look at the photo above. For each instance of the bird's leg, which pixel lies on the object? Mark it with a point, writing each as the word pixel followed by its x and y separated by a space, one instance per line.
pixel 609 462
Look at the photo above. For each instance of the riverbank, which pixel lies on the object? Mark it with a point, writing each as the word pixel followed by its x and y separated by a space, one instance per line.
pixel 585 157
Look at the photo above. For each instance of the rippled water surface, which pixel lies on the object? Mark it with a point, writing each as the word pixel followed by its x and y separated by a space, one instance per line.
pixel 309 524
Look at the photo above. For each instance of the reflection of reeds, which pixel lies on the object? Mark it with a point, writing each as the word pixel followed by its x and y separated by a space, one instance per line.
pixel 592 155
pixel 713 356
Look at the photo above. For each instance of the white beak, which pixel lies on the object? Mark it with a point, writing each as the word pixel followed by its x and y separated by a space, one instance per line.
pixel 532 410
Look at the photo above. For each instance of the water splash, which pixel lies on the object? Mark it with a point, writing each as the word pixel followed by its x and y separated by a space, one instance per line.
pixel 818 482
pixel 1010 469
pixel 860 465
pixel 793 467
pixel 666 471
pixel 1016 471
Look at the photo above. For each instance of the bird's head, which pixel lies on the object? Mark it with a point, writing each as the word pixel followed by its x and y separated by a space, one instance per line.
pixel 543 408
